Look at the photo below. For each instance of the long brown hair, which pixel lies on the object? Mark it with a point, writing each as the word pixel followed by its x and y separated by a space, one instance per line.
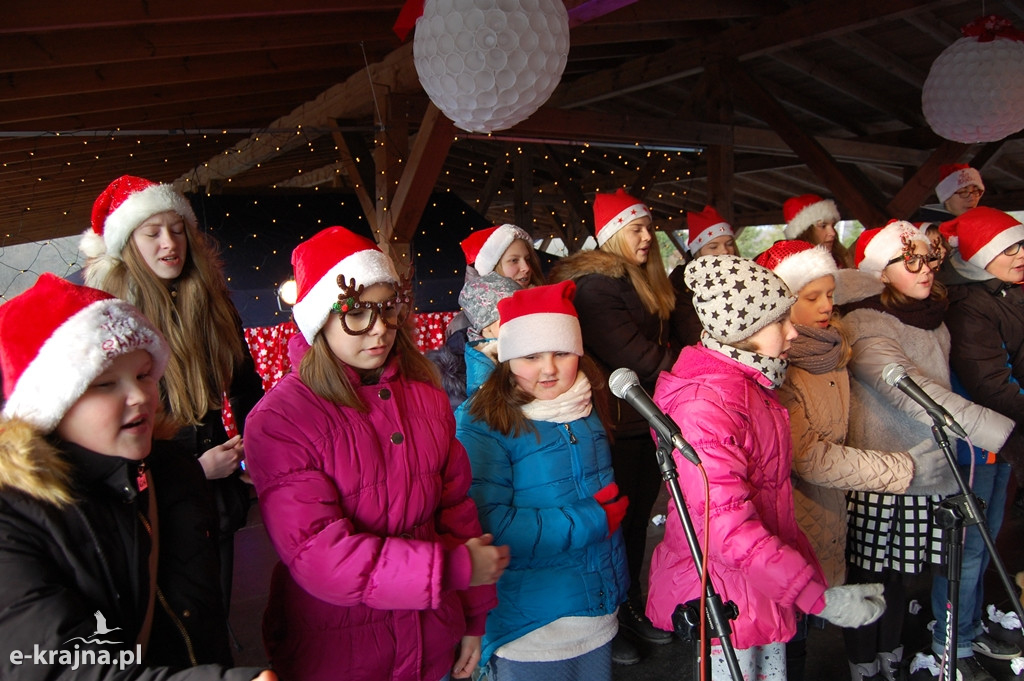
pixel 197 318
pixel 323 373
pixel 650 281
pixel 499 400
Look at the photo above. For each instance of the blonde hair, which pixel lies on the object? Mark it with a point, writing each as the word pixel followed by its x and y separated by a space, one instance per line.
pixel 323 373
pixel 650 281
pixel 196 317
pixel 499 400
pixel 845 349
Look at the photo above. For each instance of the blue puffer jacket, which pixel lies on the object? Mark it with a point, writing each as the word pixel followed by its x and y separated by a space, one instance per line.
pixel 479 364
pixel 538 498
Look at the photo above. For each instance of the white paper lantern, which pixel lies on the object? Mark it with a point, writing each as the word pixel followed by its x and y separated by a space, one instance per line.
pixel 489 64
pixel 975 89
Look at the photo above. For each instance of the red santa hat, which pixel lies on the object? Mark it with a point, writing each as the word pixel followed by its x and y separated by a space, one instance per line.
pixel 539 319
pixel 982 233
pixel 57 337
pixel 125 204
pixel 798 263
pixel 319 262
pixel 800 212
pixel 876 247
pixel 484 247
pixel 955 176
pixel 704 227
pixel 612 212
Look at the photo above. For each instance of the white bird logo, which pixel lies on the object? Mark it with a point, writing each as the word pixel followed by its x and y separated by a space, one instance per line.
pixel 101 625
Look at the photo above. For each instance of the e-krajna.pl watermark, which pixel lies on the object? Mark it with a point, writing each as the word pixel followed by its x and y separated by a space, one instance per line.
pixel 78 657
pixel 73 658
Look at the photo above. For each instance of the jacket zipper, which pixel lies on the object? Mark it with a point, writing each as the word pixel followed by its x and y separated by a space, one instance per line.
pixel 167 608
pixel 572 438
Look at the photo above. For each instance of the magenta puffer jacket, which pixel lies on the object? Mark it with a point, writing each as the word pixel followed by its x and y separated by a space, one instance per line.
pixel 368 513
pixel 757 556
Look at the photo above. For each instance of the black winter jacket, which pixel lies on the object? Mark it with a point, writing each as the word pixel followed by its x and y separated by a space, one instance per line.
pixel 617 330
pixel 76 576
pixel 986 328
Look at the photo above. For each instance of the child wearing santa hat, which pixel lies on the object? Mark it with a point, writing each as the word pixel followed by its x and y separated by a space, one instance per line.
pixel 543 482
pixel 894 311
pixel 144 246
pixel 709 234
pixel 500 252
pixel 505 249
pixel 817 395
pixel 813 219
pixel 364 488
pixel 91 512
pixel 960 187
pixel 722 395
pixel 627 311
pixel 986 328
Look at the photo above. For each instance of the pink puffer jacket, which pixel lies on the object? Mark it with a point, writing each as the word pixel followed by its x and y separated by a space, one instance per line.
pixel 368 513
pixel 757 556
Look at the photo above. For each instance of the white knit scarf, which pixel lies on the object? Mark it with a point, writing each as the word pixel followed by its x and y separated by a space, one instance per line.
pixel 573 404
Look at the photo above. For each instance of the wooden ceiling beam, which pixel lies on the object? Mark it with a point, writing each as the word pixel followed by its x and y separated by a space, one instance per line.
pixel 595 35
pixel 354 98
pixel 40 17
pixel 922 183
pixel 850 189
pixel 884 59
pixel 814 106
pixel 179 105
pixel 495 178
pixel 932 26
pixel 127 79
pixel 426 158
pixel 357 159
pixel 785 30
pixel 141 43
pixel 568 188
pixel 869 94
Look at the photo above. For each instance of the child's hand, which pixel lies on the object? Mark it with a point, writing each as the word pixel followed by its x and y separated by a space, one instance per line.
pixel 222 460
pixel 266 675
pixel 488 561
pixel 468 658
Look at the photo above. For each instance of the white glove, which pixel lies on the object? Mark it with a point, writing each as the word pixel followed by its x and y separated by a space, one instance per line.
pixel 931 470
pixel 853 605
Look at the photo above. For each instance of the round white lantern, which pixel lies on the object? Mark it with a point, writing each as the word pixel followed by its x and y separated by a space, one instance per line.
pixel 975 89
pixel 489 64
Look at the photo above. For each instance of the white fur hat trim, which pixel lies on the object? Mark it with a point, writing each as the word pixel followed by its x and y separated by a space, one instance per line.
pixel 539 332
pixel 75 354
pixel 824 210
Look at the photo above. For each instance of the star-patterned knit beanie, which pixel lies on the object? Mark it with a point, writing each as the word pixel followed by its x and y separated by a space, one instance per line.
pixel 735 297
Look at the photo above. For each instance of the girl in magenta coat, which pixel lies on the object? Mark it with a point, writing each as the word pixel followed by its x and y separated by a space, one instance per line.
pixel 721 393
pixel 364 488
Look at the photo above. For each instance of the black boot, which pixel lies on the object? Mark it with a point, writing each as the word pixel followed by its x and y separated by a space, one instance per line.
pixel 623 650
pixel 633 619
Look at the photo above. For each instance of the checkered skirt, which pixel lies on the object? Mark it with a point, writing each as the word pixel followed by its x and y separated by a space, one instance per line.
pixel 893 532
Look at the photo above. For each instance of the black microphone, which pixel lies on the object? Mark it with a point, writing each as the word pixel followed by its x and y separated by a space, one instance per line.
pixel 896 376
pixel 625 385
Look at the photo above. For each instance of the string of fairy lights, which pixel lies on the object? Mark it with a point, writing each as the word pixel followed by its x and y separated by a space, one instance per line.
pixel 591 167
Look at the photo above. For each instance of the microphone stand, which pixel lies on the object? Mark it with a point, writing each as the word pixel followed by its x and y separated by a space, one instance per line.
pixel 686 618
pixel 953 514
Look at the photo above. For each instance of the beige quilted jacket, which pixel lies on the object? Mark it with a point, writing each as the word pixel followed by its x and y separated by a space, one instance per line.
pixel 824 469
